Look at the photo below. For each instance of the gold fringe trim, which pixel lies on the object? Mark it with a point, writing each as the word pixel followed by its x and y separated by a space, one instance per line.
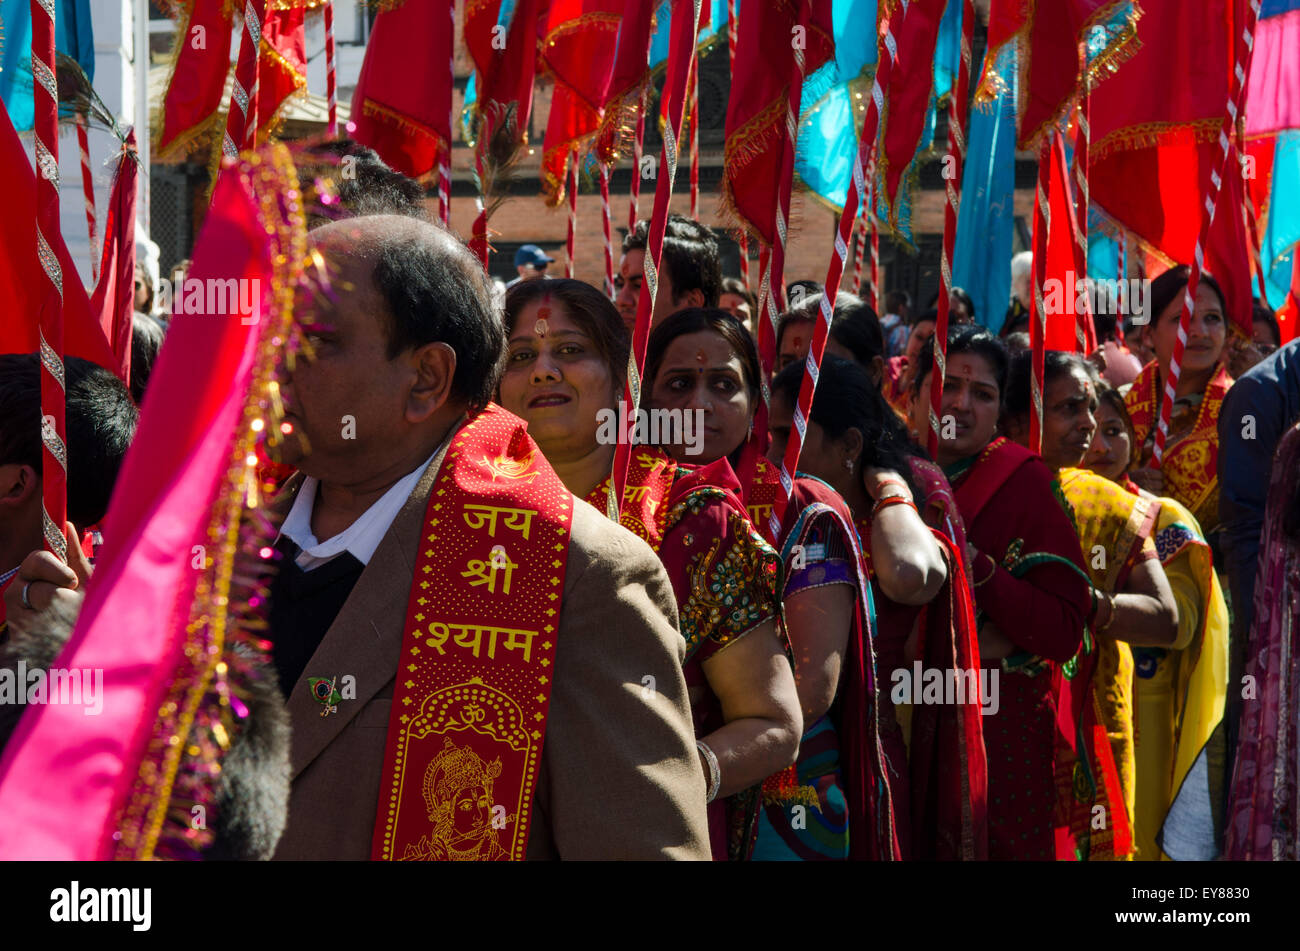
pixel 793 796
pixel 1152 134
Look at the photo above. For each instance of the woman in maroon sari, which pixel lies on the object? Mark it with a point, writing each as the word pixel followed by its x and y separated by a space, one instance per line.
pixel 1031 595
pixel 568 351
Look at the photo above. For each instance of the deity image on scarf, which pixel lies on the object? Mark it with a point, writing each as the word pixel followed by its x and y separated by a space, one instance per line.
pixel 458 792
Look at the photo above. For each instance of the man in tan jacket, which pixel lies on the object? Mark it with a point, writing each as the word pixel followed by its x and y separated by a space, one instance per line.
pixel 406 348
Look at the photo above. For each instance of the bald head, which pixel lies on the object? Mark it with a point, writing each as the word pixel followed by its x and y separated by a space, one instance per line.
pixel 428 288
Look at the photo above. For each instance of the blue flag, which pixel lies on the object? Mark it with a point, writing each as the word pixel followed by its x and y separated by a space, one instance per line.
pixel 834 98
pixel 1278 242
pixel 72 35
pixel 986 220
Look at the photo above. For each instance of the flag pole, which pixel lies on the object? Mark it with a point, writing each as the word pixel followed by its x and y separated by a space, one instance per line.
pixel 53 397
pixel 958 110
pixel 1242 53
pixel 684 33
pixel 821 328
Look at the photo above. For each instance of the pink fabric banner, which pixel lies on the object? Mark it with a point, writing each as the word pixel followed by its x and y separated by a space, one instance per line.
pixel 66 772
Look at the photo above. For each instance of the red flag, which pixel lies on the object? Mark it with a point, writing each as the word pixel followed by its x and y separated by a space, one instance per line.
pixel 1064 293
pixel 578 49
pixel 195 94
pixel 628 77
pixel 1152 154
pixel 505 65
pixel 505 60
pixel 402 103
pixel 1048 35
pixel 756 110
pixel 113 302
pixel 902 119
pixel 282 65
pixel 22 281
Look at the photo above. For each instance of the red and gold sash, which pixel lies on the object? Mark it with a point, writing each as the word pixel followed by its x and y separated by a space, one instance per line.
pixel 761 497
pixel 650 475
pixel 1191 460
pixel 474 682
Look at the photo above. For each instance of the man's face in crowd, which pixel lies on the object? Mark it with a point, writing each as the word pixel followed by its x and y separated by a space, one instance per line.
pixel 351 400
pixel 739 308
pixel 627 291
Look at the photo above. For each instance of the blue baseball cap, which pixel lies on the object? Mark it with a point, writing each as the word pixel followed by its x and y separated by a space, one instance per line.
pixel 532 254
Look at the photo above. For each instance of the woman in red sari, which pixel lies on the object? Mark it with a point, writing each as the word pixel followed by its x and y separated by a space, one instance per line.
pixel 699 361
pixel 1030 593
pixel 568 350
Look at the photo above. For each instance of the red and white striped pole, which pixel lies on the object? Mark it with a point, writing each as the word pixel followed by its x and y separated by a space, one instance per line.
pixel 638 149
pixel 241 117
pixel 733 27
pixel 572 237
pixel 772 297
pixel 479 236
pixel 331 77
pixel 1252 229
pixel 683 39
pixel 822 326
pixel 1243 52
pixel 958 108
pixel 1037 312
pixel 607 224
pixel 869 218
pixel 88 187
pixel 45 127
pixel 444 160
pixel 1079 226
pixel 859 251
pixel 695 138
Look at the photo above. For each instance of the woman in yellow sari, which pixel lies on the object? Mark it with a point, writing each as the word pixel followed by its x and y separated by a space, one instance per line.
pixel 1188 473
pixel 1181 689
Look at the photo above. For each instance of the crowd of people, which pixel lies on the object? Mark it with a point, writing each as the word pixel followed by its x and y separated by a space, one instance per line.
pixel 990 652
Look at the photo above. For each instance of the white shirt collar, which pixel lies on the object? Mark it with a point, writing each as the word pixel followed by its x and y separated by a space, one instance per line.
pixel 363 536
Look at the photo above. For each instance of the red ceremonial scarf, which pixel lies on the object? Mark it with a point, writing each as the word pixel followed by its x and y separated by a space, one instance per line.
pixel 1191 460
